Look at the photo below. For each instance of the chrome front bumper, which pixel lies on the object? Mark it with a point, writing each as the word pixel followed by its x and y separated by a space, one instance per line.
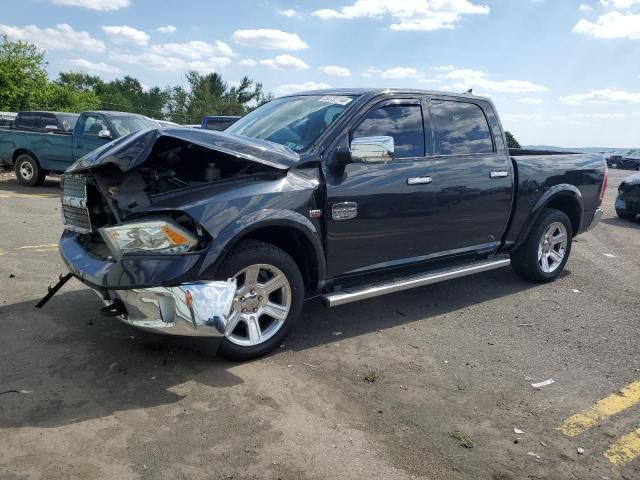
pixel 597 216
pixel 191 309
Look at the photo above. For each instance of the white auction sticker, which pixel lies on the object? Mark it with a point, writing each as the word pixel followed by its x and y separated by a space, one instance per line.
pixel 339 100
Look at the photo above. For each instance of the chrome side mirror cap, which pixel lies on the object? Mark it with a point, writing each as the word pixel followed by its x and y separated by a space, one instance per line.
pixel 105 134
pixel 372 149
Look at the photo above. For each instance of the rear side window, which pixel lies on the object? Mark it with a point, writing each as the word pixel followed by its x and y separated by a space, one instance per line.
pixel 218 125
pixel 402 122
pixel 24 120
pixel 461 128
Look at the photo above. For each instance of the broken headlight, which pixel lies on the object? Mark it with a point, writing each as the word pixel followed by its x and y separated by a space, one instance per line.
pixel 157 236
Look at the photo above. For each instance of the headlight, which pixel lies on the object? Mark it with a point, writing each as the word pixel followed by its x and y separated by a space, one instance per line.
pixel 156 236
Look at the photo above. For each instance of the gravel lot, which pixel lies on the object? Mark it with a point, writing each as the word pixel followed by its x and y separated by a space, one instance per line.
pixel 390 388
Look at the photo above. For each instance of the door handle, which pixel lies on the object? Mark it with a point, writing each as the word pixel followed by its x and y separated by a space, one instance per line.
pixel 418 180
pixel 499 174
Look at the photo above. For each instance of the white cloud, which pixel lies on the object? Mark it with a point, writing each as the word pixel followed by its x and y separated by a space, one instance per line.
pixel 611 25
pixel 598 115
pixel 530 101
pixel 91 67
pixel 335 70
pixel 125 35
pixel 60 37
pixel 99 5
pixel 285 62
pixel 269 39
pixel 443 68
pixel 194 49
pixel 294 88
pixel 464 79
pixel 289 12
pixel 416 15
pixel 619 4
pixel 585 8
pixel 605 95
pixel 248 62
pixel 164 63
pixel 400 72
pixel 166 29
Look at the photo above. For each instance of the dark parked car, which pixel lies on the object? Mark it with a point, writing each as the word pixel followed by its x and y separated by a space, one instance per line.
pixel 629 163
pixel 338 194
pixel 218 122
pixel 628 199
pixel 613 160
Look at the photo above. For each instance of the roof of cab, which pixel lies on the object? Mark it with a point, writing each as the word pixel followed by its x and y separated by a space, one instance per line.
pixel 384 91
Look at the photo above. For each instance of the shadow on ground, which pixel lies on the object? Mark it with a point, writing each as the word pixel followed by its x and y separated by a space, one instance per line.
pixel 81 365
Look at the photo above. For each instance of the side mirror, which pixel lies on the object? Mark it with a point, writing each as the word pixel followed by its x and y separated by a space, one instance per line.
pixel 372 149
pixel 105 134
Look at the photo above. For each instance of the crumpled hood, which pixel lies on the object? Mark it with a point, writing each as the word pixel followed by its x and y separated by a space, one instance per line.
pixel 132 150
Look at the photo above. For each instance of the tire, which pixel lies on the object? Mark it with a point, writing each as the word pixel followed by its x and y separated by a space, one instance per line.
pixel 28 171
pixel 528 260
pixel 625 215
pixel 243 341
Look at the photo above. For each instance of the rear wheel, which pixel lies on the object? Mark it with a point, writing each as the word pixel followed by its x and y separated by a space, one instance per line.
pixel 268 301
pixel 542 257
pixel 28 171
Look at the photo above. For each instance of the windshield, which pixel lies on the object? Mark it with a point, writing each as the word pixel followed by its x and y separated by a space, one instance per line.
pixel 295 122
pixel 127 124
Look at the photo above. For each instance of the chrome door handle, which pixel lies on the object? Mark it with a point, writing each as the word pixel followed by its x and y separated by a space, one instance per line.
pixel 499 174
pixel 418 180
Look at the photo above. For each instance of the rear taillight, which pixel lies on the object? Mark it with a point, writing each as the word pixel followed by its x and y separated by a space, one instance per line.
pixel 604 184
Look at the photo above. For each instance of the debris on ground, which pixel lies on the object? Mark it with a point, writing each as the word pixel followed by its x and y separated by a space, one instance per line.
pixel 580 450
pixel 11 275
pixel 337 334
pixel 543 444
pixel 463 439
pixel 575 290
pixel 22 392
pixel 116 368
pixel 518 431
pixel 413 346
pixel 543 384
pixel 371 377
pixel 309 365
pixel 610 255
pixel 533 454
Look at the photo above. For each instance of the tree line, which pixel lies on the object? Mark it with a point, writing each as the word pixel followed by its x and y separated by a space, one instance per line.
pixel 25 85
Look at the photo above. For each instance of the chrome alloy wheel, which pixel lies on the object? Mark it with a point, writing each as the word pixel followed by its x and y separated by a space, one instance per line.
pixel 261 305
pixel 552 247
pixel 26 170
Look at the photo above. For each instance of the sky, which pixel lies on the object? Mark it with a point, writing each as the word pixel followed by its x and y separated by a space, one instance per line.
pixel 561 72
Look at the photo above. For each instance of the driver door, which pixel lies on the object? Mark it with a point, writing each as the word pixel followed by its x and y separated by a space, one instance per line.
pixel 87 138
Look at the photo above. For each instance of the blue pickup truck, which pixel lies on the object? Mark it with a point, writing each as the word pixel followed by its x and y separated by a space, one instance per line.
pixel 33 152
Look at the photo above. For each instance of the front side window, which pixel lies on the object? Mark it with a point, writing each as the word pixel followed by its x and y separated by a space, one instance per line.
pixel 126 124
pixel 461 128
pixel 295 122
pixel 402 122
pixel 92 126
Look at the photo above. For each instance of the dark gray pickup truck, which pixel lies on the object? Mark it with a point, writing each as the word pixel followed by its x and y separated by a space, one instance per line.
pixel 338 194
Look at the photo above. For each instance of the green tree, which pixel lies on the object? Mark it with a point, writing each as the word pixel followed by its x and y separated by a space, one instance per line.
pixel 511 140
pixel 22 75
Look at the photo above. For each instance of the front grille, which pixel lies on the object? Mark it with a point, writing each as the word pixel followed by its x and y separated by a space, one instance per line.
pixel 75 214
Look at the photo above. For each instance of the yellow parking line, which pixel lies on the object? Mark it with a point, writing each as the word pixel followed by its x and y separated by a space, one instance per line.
pixel 611 405
pixel 625 449
pixel 36 247
pixel 28 195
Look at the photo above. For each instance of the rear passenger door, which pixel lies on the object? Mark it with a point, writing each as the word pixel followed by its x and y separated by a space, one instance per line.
pixel 471 175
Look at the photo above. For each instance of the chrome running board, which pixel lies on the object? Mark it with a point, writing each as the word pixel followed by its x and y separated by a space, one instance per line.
pixel 349 295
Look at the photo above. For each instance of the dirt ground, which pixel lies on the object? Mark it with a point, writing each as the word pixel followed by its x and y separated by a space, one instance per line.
pixel 390 388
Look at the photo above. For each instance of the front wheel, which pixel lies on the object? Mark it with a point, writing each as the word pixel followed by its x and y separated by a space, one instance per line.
pixel 268 301
pixel 28 171
pixel 542 257
pixel 625 215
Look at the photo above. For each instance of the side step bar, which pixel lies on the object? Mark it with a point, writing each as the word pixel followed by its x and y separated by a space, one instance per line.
pixel 374 290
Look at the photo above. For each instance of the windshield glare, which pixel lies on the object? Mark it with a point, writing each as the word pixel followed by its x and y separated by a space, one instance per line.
pixel 295 122
pixel 125 125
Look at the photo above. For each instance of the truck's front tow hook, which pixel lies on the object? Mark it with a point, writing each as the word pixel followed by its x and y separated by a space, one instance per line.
pixel 114 309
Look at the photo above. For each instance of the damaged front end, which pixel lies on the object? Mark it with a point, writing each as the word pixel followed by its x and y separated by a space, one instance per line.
pixel 130 232
pixel 628 199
